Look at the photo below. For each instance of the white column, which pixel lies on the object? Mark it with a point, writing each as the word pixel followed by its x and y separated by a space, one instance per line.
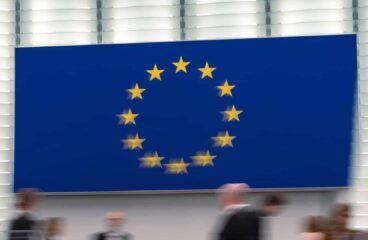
pixel 7 41
pixel 359 192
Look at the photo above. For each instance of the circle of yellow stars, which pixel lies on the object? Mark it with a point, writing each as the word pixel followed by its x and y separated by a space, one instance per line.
pixel 201 158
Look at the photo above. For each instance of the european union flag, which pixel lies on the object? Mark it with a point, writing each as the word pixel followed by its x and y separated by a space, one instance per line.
pixel 275 113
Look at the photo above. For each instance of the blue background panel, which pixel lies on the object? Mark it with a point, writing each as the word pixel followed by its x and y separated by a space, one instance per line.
pixel 297 95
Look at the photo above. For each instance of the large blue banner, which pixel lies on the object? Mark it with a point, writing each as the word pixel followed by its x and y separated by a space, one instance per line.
pixel 275 113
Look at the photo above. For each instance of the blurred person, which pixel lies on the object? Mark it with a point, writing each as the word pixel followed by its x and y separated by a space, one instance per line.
pixel 340 219
pixel 54 229
pixel 271 206
pixel 115 223
pixel 313 229
pixel 22 226
pixel 238 220
pixel 326 227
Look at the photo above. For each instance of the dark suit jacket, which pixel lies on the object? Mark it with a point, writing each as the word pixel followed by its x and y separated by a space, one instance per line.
pixel 23 222
pixel 103 236
pixel 242 224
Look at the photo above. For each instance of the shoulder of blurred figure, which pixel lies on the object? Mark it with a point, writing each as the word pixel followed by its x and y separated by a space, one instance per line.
pixel 249 209
pixel 22 222
pixel 248 212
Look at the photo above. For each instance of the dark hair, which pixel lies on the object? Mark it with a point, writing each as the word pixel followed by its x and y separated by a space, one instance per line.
pixel 274 200
pixel 340 209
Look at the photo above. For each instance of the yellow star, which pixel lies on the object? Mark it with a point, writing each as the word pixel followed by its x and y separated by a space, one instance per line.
pixel 127 117
pixel 133 142
pixel 203 159
pixel 177 167
pixel 155 73
pixel 151 160
pixel 181 65
pixel 224 140
pixel 231 114
pixel 135 92
pixel 225 89
pixel 206 71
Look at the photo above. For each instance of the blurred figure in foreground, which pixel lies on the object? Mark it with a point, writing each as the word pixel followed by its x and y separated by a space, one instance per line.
pixel 313 229
pixel 115 223
pixel 54 229
pixel 238 221
pixel 271 206
pixel 340 219
pixel 23 226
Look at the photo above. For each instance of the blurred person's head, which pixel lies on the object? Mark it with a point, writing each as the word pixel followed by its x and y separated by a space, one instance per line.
pixel 28 199
pixel 54 227
pixel 115 220
pixel 272 205
pixel 313 224
pixel 340 216
pixel 232 193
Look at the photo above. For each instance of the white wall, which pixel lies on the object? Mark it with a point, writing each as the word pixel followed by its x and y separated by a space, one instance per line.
pixel 176 216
